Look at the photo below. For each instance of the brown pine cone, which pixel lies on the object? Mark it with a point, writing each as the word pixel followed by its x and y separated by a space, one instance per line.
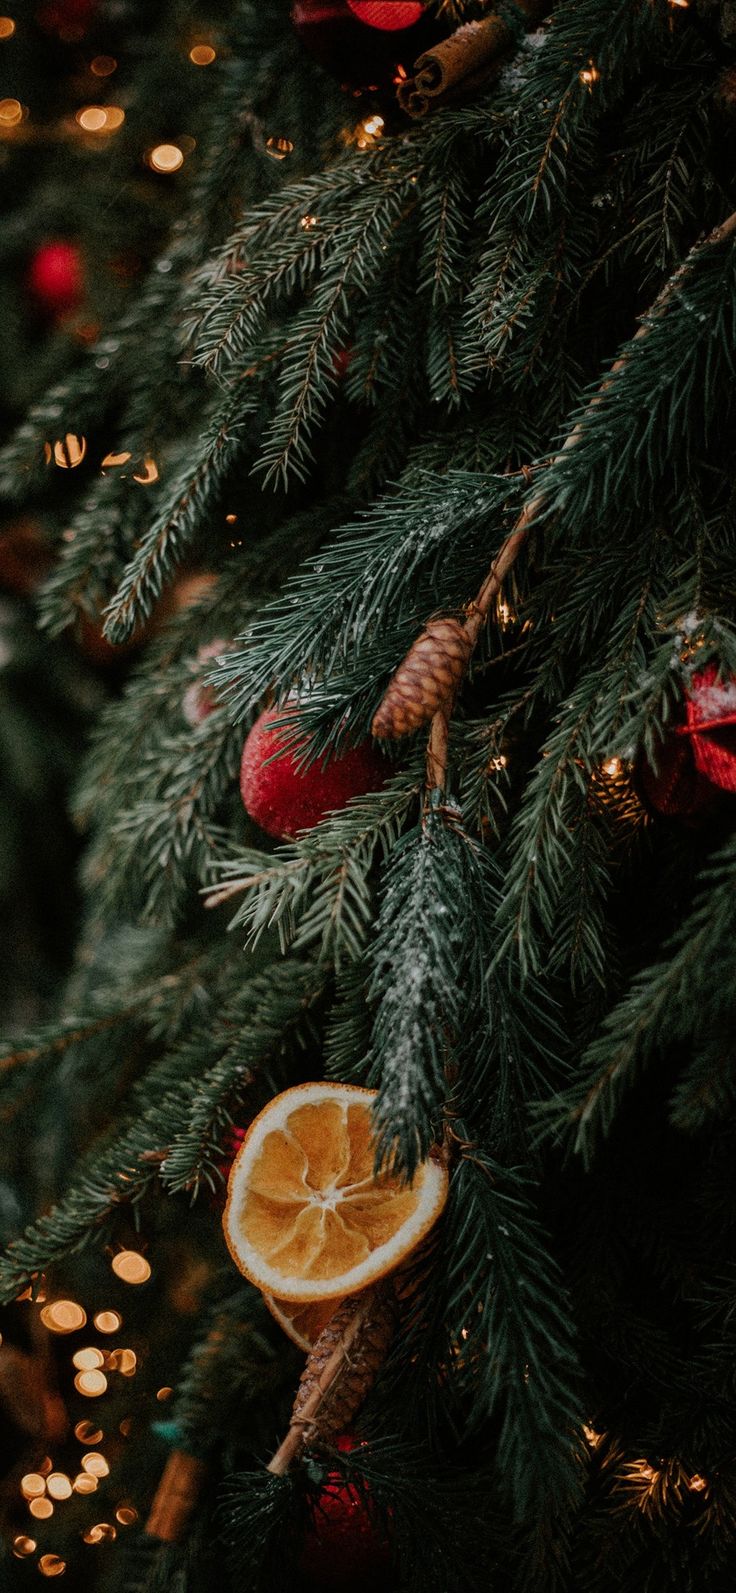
pixel 427 678
pixel 341 1368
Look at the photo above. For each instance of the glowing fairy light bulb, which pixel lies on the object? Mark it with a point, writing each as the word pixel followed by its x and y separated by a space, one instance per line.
pixel 166 158
pixel 131 1266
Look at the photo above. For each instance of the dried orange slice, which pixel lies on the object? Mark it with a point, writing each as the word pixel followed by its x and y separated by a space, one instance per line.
pixel 302 1323
pixel 306 1218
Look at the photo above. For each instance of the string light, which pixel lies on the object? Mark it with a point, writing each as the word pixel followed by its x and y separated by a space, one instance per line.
pixel 88 1433
pixel 23 1546
pixel 7 29
pixel 131 1266
pixel 51 1565
pixel 63 1316
pixel 591 1436
pixel 279 148
pixel 108 1321
pixel 589 74
pixel 697 1484
pixel 612 767
pixel 307 222
pixel 368 132
pixel 202 54
pixel 32 1486
pixel 84 1483
pixel 41 1509
pixel 147 473
pixel 59 1485
pixel 165 158
pixel 103 65
pixel 96 1534
pixel 100 118
pixel 95 1465
pixel 11 112
pixel 88 1360
pixel 123 1361
pixel 67 452
pixel 91 1384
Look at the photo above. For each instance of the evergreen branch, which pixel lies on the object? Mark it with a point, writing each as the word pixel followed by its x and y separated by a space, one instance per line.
pixel 318 892
pixel 687 992
pixel 271 1017
pixel 507 1312
pixel 422 958
pixel 190 498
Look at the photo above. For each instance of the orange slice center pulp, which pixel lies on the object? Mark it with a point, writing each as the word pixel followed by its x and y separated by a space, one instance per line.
pixel 314 1208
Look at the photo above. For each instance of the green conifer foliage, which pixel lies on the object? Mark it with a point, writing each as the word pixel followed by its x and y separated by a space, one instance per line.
pixel 365 372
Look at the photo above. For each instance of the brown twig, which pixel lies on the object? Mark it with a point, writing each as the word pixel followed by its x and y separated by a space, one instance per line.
pixel 478 611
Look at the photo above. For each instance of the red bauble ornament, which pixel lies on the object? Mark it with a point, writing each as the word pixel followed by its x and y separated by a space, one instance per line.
pixel 343 1551
pixel 696 757
pixel 365 44
pixel 284 799
pixel 711 726
pixel 56 277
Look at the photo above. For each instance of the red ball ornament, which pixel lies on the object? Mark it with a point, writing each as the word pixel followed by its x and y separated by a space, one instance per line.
pixel 696 757
pixel 343 1547
pixel 284 799
pixel 711 726
pixel 56 277
pixel 365 44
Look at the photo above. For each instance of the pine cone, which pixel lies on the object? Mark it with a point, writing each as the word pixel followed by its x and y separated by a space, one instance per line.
pixel 339 1372
pixel 426 679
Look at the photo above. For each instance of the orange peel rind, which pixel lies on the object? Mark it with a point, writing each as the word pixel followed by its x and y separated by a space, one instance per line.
pixel 306 1218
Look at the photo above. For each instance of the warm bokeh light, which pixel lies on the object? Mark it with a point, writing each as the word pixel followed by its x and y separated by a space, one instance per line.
pixel 51 1565
pixel 91 1384
pixel 103 1529
pixel 103 65
pixel 23 1546
pixel 126 1515
pixel 84 1483
pixel 7 29
pixel 11 112
pixel 67 452
pixel 124 1361
pixel 41 1509
pixel 108 1321
pixel 279 148
pixel 32 1486
pixel 164 1393
pixel 88 1360
pixel 96 1465
pixel 93 118
pixel 202 54
pixel 131 1266
pixel 63 1316
pixel 88 1433
pixel 100 118
pixel 147 473
pixel 166 158
pixel 59 1485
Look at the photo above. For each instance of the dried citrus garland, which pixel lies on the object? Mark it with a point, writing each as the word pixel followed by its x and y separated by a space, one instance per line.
pixel 307 1219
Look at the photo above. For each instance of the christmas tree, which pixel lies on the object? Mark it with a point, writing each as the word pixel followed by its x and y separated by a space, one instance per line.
pixel 378 1160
